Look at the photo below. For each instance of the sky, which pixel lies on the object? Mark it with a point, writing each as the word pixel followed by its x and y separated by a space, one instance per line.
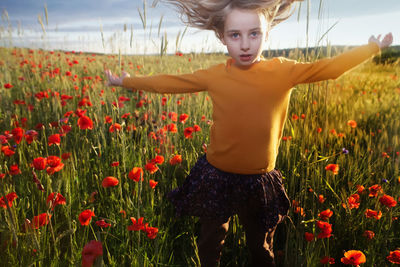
pixel 115 26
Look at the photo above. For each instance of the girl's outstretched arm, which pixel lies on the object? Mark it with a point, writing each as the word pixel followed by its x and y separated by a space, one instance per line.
pixel 332 68
pixel 168 84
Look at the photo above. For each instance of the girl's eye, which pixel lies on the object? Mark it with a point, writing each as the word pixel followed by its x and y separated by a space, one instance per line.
pixel 235 35
pixel 254 34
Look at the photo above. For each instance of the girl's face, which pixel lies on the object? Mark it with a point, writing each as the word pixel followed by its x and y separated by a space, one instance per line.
pixel 245 32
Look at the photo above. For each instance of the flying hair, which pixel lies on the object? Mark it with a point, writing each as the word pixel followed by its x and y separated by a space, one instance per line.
pixel 211 14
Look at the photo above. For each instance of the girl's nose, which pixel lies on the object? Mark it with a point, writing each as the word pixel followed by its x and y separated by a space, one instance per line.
pixel 244 44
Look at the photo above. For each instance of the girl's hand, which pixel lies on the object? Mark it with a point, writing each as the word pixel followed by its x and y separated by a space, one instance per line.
pixel 114 80
pixel 387 40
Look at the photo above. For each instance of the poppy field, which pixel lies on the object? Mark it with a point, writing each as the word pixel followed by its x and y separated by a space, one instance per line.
pixel 85 168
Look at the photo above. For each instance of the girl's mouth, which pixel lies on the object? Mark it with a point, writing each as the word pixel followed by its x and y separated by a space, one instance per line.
pixel 245 57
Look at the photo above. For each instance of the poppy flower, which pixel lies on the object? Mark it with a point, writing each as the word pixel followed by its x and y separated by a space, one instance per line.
pixel 326 214
pixel 360 189
pixel 8 86
pixel 321 199
pixel 353 257
pixel 183 118
pixel 114 127
pixel 352 123
pixel 2 175
pixel 40 220
pixel 295 117
pixel 151 232
pixel 353 201
pixel 327 260
pixel 172 128
pixel 369 234
pixel 375 190
pixel 109 182
pixel 158 160
pixel 17 134
pixel 388 201
pixel 137 225
pixel 188 132
pixel 10 198
pixel 394 257
pixel 90 252
pixel 151 167
pixel 8 152
pixel 152 183
pixel 373 214
pixel 103 224
pixel 136 174
pixel 55 199
pixel 196 128
pixel 54 139
pixel 334 168
pixel 173 116
pixel 55 164
pixel 14 169
pixel 309 236
pixel 114 164
pixel 175 160
pixel 326 229
pixel 84 122
pixel 85 217
pixel 66 155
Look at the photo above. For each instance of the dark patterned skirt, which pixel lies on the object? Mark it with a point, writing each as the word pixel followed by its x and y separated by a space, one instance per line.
pixel 210 192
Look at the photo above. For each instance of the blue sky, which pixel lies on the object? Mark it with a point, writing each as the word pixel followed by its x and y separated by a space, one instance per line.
pixel 75 25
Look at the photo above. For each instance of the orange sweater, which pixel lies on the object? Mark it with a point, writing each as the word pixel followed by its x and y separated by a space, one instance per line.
pixel 250 106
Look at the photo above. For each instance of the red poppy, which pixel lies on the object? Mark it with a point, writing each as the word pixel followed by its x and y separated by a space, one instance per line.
pixel 85 217
pixel 326 214
pixel 326 229
pixel 84 122
pixel 388 201
pixel 375 190
pixel 7 151
pixel 10 198
pixel 183 117
pixel 137 225
pixel 136 174
pixel 14 169
pixel 103 224
pixel 54 139
pixel 295 117
pixel 175 160
pixel 65 155
pixel 109 182
pixel 196 128
pixel 373 214
pixel 151 232
pixel 172 128
pixel 353 201
pixel 40 220
pixel 114 127
pixel 17 134
pixel 360 189
pixel 8 86
pixel 188 132
pixel 173 116
pixel 352 123
pixel 158 160
pixel 327 260
pixel 114 164
pixel 394 257
pixel 369 234
pixel 2 175
pixel 152 183
pixel 321 199
pixel 334 168
pixel 309 236
pixel 90 252
pixel 151 167
pixel 353 257
pixel 65 129
pixel 55 199
pixel 55 164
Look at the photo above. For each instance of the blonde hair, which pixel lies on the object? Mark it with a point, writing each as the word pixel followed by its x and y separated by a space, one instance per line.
pixel 211 14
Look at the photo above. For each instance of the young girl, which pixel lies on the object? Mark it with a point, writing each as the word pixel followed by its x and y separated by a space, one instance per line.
pixel 250 97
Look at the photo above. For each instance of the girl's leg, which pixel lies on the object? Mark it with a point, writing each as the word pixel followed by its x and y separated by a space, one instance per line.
pixel 211 240
pixel 259 242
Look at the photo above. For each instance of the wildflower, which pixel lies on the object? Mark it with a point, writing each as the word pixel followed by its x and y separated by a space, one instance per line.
pixel 394 257
pixel 8 86
pixel 14 169
pixel 353 257
pixel 10 198
pixel 369 234
pixel 55 164
pixel 319 130
pixel 173 116
pixel 388 201
pixel 109 182
pixel 65 155
pixel 373 214
pixel 151 167
pixel 352 123
pixel 345 151
pixel 188 132
pixel 40 220
pixel 326 229
pixel 114 127
pixel 57 200
pixel 175 160
pixel 326 214
pixel 360 189
pixel 136 174
pixel 327 260
pixel 375 190
pixel 309 236
pixel 90 252
pixel 152 183
pixel 114 164
pixel 334 168
pixel 136 224
pixel 172 128
pixel 8 152
pixel 17 134
pixel 92 195
pixel 183 117
pixel 321 199
pixel 151 232
pixel 295 117
pixel 54 139
pixel 85 217
pixel 353 201
pixel 158 160
pixel 103 224
pixel 84 122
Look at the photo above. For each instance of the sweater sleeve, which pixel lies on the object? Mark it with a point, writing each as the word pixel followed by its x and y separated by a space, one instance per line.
pixel 331 68
pixel 169 84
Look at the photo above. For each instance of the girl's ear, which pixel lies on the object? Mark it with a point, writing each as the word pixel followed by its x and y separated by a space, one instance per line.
pixel 221 38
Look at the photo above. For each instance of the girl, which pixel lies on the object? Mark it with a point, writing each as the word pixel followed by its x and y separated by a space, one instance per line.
pixel 250 97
